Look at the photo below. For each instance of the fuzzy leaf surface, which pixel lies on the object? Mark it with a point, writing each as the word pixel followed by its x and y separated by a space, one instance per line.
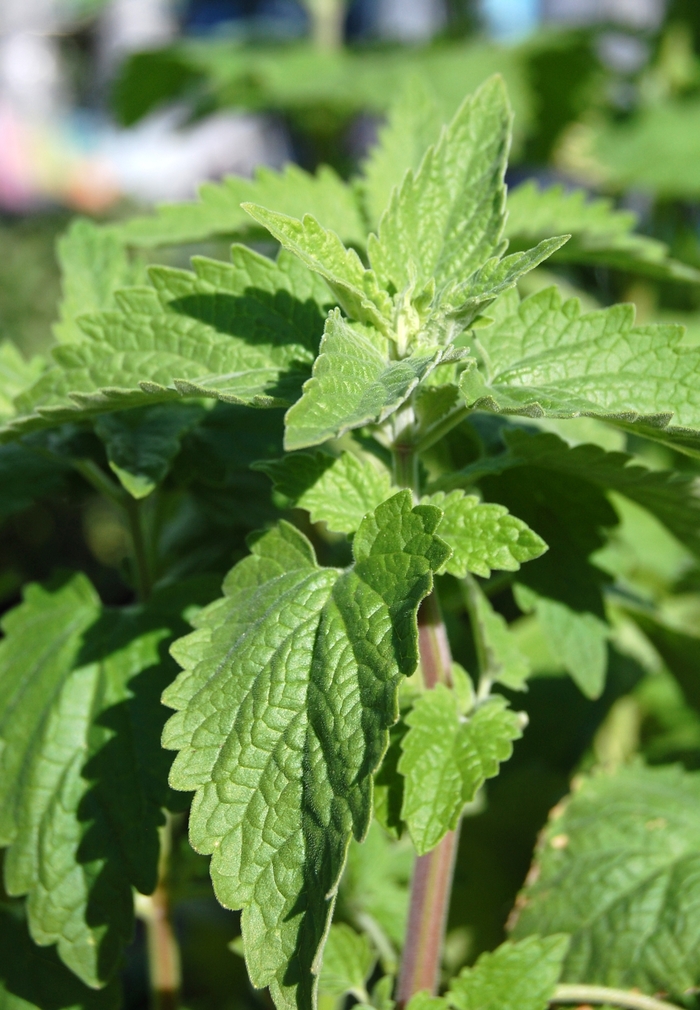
pixel 601 235
pixel 515 976
pixel 483 536
pixel 142 443
pixel 355 288
pixel 542 357
pixel 218 210
pixel 283 709
pixel 447 758
pixel 618 870
pixel 353 383
pixel 94 265
pixel 245 332
pixel 82 776
pixel 339 491
pixel 446 219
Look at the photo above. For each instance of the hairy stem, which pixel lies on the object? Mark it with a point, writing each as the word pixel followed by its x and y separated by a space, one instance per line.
pixel 162 947
pixel 432 875
pixel 583 994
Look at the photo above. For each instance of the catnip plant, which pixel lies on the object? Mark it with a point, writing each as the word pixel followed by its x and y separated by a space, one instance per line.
pixel 383 422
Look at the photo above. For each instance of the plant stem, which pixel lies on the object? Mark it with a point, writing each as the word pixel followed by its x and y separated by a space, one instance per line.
pixel 583 994
pixel 438 430
pixel 131 509
pixel 163 951
pixel 432 875
pixel 142 568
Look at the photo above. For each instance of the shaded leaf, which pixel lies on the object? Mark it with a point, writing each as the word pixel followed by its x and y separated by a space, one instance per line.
pixel 348 960
pixel 16 375
pixel 618 870
pixel 500 658
pixel 447 757
pixel 82 774
pixel 337 490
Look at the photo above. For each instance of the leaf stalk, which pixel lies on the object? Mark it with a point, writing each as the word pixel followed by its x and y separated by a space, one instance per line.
pixel 582 994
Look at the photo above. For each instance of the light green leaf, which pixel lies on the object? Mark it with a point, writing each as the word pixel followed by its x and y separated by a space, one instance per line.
pixel 447 218
pixel 447 758
pixel 353 383
pixel 515 976
pixel 618 869
pixel 142 443
pixel 94 265
pixel 244 332
pixel 348 960
pixel 413 125
pixel 35 979
pixel 16 375
pixel 355 288
pixel 337 490
pixel 218 210
pixel 500 659
pixel 543 357
pixel 576 639
pixel 601 235
pixel 289 688
pixel 483 536
pixel 82 775
pixel 424 1001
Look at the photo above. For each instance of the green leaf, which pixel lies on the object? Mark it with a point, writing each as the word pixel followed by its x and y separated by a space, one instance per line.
pixel 348 960
pixel 424 1001
pixel 447 758
pixel 244 332
pixel 543 358
pixel 578 640
pixel 483 536
pixel 35 979
pixel 515 976
pixel 218 211
pixel 16 375
pixel 337 490
pixel 447 218
pixel 601 235
pixel 355 288
pixel 374 890
pixel 26 476
pixel 500 659
pixel 82 775
pixel 288 690
pixel 679 651
pixel 142 443
pixel 94 265
pixel 618 870
pixel 672 497
pixel 413 125
pixel 353 383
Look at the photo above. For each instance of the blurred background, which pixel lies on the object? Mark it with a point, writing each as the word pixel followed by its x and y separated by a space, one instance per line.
pixel 109 107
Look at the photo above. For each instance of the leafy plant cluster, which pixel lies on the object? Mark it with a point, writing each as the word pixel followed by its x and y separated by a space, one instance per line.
pixel 420 474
